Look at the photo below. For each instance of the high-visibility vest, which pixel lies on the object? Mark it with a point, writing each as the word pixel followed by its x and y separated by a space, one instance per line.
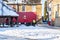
pixel 34 21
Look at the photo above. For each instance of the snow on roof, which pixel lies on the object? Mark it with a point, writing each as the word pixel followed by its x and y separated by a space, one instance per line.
pixel 15 1
pixel 7 10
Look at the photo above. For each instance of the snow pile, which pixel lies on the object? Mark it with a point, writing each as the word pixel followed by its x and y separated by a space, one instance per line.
pixel 31 32
pixel 7 10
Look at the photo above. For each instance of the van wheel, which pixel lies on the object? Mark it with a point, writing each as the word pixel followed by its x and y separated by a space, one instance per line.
pixel 28 24
pixel 22 23
pixel 33 24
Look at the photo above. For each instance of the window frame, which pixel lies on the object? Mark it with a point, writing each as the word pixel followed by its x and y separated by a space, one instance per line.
pixel 23 8
pixel 33 8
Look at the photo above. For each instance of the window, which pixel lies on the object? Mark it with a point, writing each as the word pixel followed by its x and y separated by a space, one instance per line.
pixel 34 1
pixel 49 9
pixel 23 8
pixel 56 14
pixel 33 8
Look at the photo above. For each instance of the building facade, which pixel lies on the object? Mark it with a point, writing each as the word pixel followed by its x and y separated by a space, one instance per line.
pixel 26 6
pixel 53 7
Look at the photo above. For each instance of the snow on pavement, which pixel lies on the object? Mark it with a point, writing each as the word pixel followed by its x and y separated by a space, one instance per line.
pixel 29 33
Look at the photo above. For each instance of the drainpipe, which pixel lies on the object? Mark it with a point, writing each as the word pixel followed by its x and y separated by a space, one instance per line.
pixel 58 9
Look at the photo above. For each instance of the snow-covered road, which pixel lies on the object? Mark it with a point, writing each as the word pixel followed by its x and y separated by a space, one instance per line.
pixel 29 33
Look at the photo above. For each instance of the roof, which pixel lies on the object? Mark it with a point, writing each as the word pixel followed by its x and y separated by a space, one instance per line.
pixel 6 10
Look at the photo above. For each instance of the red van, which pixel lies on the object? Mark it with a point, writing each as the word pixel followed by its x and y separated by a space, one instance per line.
pixel 27 17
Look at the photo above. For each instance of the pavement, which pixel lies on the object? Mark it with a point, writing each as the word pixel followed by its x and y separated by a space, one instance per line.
pixel 23 32
pixel 48 26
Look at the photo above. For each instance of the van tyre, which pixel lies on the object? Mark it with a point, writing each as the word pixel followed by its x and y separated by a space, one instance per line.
pixel 28 24
pixel 33 24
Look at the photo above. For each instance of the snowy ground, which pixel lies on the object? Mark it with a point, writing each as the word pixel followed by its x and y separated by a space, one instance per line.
pixel 41 32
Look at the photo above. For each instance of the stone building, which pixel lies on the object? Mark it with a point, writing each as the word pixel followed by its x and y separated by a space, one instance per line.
pixel 53 7
pixel 26 6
